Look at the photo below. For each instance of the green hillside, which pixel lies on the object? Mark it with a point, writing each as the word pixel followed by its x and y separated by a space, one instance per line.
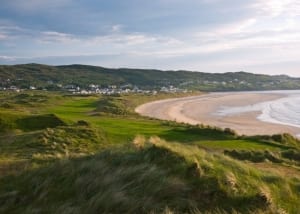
pixel 51 77
pixel 63 153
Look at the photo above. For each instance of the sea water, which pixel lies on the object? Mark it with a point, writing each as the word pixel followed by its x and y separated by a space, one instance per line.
pixel 284 111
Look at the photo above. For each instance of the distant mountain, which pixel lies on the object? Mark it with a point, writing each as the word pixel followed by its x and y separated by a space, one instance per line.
pixel 55 77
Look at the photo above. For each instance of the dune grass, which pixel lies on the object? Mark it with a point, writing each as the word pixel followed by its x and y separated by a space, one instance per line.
pixel 62 110
pixel 71 154
pixel 150 178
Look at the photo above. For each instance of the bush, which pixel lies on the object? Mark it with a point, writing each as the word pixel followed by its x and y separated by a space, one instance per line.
pixel 6 124
pixel 291 154
pixel 285 139
pixel 38 122
pixel 230 132
pixel 253 156
pixel 82 123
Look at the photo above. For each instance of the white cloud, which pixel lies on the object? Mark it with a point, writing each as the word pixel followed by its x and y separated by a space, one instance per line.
pixel 54 37
pixel 116 28
pixel 276 8
pixel 270 32
pixel 10 28
pixel 236 27
pixel 129 39
pixel 13 32
pixel 2 36
pixel 233 28
pixel 226 39
pixel 7 58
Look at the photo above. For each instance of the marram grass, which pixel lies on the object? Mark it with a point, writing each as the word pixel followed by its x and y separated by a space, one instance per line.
pixel 151 176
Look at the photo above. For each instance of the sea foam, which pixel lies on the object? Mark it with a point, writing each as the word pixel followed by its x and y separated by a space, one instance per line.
pixel 284 111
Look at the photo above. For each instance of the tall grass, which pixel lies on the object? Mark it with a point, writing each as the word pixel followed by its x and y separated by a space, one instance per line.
pixel 152 176
pixel 70 155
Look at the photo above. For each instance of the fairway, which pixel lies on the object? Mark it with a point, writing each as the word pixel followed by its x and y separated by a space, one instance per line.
pixel 240 145
pixel 121 129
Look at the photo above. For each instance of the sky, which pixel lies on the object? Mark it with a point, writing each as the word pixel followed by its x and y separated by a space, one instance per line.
pixel 257 36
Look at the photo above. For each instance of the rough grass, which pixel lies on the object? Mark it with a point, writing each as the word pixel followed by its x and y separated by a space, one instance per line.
pixel 7 121
pixel 125 104
pixel 10 121
pixel 254 156
pixel 29 150
pixel 114 128
pixel 38 122
pixel 74 154
pixel 153 178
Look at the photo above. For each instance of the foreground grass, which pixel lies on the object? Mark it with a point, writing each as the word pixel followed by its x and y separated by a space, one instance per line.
pixel 153 176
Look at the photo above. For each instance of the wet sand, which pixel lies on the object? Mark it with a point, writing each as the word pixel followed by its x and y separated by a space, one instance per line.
pixel 202 110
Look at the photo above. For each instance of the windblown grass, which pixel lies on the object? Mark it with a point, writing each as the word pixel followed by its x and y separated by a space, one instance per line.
pixel 154 177
pixel 89 154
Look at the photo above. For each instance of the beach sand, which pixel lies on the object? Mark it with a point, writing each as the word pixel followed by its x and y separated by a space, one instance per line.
pixel 202 110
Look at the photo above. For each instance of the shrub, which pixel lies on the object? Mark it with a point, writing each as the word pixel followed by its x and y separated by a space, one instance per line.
pixel 285 138
pixel 82 123
pixel 254 156
pixel 37 122
pixel 291 154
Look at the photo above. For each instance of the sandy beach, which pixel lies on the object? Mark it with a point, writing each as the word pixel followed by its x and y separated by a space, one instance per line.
pixel 203 110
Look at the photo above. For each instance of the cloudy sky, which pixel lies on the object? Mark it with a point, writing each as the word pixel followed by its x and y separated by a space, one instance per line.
pixel 259 36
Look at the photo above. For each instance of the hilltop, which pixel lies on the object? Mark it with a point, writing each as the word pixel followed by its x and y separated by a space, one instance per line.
pixel 83 76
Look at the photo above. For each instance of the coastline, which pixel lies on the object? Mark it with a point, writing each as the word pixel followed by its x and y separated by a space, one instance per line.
pixel 203 110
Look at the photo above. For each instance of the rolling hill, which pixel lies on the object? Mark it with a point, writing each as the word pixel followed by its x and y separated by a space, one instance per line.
pixel 53 77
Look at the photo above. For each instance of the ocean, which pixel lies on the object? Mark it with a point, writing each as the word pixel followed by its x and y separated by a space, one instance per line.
pixel 284 111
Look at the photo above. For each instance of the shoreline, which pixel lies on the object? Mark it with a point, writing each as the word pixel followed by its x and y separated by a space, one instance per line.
pixel 203 110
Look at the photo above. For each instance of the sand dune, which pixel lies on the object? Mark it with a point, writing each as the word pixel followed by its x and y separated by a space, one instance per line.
pixel 203 109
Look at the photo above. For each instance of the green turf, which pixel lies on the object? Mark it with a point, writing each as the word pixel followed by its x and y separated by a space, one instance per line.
pixel 240 145
pixel 118 129
pixel 122 129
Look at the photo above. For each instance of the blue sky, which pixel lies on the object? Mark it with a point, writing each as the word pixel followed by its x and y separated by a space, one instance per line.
pixel 258 36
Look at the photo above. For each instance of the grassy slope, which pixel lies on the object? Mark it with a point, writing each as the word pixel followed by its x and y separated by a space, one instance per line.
pixel 193 175
pixel 151 177
pixel 40 75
